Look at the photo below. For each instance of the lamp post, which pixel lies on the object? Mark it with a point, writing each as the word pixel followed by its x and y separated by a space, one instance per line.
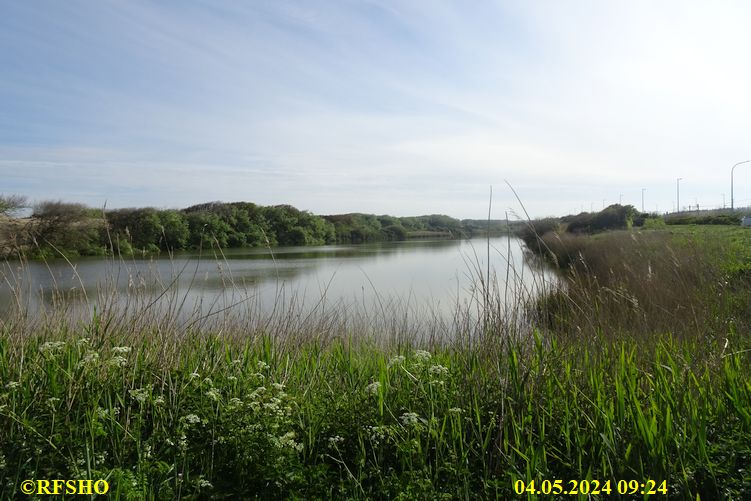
pixel 678 194
pixel 732 171
pixel 642 198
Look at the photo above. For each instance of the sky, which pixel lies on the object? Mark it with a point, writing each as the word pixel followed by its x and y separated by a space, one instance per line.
pixel 388 107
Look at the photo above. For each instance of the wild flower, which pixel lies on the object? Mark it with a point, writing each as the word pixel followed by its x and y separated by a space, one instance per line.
pixel 422 355
pixel 335 440
pixel 194 375
pixel 214 394
pixel 287 440
pixel 438 370
pixel 140 394
pixel 207 381
pixel 373 388
pixel 204 484
pixel 278 386
pixel 83 341
pixel 235 402
pixel 90 358
pixel 232 378
pixel 159 400
pixel 377 433
pixel 118 361
pixel 51 347
pixel 410 418
pixel 52 402
pixel 192 419
pixel 455 411
pixel 121 350
pixel 257 392
pixel 262 366
pixel 397 360
pixel 11 385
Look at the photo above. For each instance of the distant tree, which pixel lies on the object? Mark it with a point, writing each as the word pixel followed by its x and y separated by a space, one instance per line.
pixel 175 230
pixel 66 226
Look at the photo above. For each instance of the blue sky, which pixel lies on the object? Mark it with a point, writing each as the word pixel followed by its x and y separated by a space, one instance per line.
pixel 403 107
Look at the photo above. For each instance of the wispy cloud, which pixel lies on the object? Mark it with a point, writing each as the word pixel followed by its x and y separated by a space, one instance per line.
pixel 374 106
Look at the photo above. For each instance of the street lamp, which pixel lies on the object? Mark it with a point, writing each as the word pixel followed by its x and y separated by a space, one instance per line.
pixel 642 198
pixel 732 206
pixel 678 194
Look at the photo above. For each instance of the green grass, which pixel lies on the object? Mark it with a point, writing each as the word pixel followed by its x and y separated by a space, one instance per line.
pixel 606 386
pixel 227 419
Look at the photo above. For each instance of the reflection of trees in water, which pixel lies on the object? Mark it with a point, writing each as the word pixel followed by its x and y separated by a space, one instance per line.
pixel 301 272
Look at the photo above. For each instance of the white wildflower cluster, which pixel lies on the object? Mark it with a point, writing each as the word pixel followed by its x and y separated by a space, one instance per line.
pixel 121 350
pixel 204 484
pixel 52 402
pixel 397 360
pixel 84 341
pixel 140 395
pixel 262 366
pixel 214 394
pixel 159 400
pixel 208 382
pixel 422 356
pixel 455 411
pixel 335 441
pixel 52 347
pixel 90 358
pixel 373 388
pixel 12 385
pixel 438 370
pixel 232 379
pixel 410 419
pixel 118 361
pixel 286 441
pixel 377 434
pixel 191 419
pixel 278 386
pixel 234 403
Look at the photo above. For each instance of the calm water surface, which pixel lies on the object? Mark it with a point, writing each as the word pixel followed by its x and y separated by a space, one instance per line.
pixel 432 276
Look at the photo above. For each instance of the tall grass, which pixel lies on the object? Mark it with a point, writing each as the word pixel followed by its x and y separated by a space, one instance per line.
pixel 331 405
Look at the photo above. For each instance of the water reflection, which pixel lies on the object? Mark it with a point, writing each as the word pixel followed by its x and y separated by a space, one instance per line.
pixel 438 276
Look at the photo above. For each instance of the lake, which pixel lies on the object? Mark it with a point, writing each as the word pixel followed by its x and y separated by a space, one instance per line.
pixel 434 278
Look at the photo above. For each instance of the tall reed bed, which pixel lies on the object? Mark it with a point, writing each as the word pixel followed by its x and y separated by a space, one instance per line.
pixel 324 406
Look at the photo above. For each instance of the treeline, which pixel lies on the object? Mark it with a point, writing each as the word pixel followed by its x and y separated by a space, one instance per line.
pixel 613 217
pixel 74 229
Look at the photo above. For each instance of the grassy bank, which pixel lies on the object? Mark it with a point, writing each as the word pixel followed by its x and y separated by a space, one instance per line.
pixel 636 369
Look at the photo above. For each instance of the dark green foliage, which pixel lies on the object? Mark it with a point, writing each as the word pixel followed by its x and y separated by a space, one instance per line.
pixel 71 229
pixel 725 219
pixel 295 227
pixel 76 229
pixel 614 217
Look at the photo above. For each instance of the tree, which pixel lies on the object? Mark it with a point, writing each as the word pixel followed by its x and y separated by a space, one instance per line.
pixel 11 204
pixel 66 226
